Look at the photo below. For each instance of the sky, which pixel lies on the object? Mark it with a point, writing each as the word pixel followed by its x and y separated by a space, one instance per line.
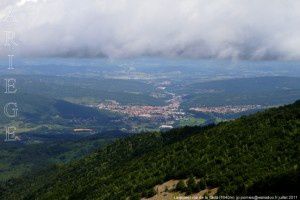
pixel 233 29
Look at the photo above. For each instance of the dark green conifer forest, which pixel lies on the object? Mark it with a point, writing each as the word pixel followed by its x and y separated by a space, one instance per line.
pixel 253 155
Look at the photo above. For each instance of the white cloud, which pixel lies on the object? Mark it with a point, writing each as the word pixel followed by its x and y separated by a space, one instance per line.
pixel 252 29
pixel 22 2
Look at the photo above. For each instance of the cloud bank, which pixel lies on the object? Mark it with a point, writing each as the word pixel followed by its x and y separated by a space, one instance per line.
pixel 248 29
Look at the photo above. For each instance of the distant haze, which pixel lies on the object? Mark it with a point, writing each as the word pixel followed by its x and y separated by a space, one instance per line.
pixel 235 29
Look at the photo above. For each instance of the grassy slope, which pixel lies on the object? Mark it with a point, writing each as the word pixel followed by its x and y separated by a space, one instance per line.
pixel 235 156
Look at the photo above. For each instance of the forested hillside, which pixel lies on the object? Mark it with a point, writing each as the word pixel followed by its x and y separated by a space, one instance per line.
pixel 242 91
pixel 37 109
pixel 256 154
pixel 88 90
pixel 19 158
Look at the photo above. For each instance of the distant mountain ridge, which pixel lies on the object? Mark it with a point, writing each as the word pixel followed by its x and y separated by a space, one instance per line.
pixel 37 109
pixel 275 90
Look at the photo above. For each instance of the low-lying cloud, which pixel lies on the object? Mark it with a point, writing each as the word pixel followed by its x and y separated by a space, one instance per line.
pixel 249 29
